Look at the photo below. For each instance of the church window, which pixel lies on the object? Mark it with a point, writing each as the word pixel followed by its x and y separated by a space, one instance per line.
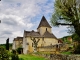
pixel 46 29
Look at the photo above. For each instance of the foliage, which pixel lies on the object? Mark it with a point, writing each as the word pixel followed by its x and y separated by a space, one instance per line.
pixel 77 49
pixel 4 54
pixel 75 37
pixel 14 55
pixel 4 45
pixel 65 39
pixel 19 50
pixel 7 44
pixel 67 12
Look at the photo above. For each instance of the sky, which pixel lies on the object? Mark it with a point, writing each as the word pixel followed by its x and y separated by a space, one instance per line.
pixel 19 15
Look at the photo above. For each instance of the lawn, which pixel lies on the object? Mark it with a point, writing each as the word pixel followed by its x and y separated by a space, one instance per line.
pixel 66 53
pixel 30 57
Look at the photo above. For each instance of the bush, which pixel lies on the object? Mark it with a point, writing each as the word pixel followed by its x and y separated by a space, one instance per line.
pixel 77 49
pixel 14 55
pixel 4 54
pixel 19 50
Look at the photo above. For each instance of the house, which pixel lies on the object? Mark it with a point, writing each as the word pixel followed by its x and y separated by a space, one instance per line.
pixel 43 35
pixel 17 43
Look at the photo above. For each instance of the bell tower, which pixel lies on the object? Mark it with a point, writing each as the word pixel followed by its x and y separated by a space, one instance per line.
pixel 44 26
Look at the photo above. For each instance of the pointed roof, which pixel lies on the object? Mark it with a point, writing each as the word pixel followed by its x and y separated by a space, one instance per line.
pixel 48 35
pixel 44 23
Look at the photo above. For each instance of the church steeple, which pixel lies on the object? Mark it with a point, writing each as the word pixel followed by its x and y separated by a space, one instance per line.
pixel 44 23
pixel 44 26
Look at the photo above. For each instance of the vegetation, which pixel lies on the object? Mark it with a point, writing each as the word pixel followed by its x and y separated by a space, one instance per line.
pixel 14 55
pixel 19 50
pixel 4 45
pixel 66 40
pixel 4 54
pixel 75 37
pixel 30 57
pixel 67 12
pixel 7 44
pixel 66 53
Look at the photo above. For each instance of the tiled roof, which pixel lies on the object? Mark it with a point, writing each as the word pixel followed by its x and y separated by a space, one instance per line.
pixel 44 23
pixel 49 35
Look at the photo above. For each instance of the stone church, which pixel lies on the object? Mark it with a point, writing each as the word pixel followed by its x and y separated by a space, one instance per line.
pixel 43 33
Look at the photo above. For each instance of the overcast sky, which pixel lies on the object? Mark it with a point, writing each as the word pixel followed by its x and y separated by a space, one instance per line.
pixel 19 15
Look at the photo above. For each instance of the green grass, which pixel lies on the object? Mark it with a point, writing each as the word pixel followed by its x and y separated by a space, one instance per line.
pixel 67 53
pixel 30 57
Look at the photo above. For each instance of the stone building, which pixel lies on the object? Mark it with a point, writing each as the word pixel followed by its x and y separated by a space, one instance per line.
pixel 17 43
pixel 43 33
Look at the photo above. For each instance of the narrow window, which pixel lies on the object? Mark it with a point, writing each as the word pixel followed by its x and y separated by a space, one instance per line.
pixel 46 29
pixel 32 44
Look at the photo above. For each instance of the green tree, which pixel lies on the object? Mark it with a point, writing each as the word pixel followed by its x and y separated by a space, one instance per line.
pixel 7 44
pixel 67 12
pixel 75 37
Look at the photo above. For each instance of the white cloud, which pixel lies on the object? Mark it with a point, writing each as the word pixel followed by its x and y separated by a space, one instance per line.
pixel 60 31
pixel 17 16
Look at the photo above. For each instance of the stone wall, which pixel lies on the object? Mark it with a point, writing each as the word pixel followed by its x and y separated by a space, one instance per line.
pixel 64 57
pixel 61 57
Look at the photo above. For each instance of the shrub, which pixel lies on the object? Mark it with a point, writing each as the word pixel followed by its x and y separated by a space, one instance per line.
pixel 77 49
pixel 14 55
pixel 19 50
pixel 4 54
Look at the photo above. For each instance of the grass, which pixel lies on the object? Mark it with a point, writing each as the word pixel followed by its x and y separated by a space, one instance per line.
pixel 30 57
pixel 67 53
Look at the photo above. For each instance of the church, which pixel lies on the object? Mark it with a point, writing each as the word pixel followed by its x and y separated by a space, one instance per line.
pixel 44 36
pixel 44 39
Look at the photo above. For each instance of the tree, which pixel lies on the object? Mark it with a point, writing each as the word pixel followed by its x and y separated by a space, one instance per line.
pixel 67 12
pixel 35 42
pixel 7 44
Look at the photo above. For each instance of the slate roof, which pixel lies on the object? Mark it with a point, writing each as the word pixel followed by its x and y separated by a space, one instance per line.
pixel 44 23
pixel 32 33
pixel 37 34
pixel 48 35
pixel 18 39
